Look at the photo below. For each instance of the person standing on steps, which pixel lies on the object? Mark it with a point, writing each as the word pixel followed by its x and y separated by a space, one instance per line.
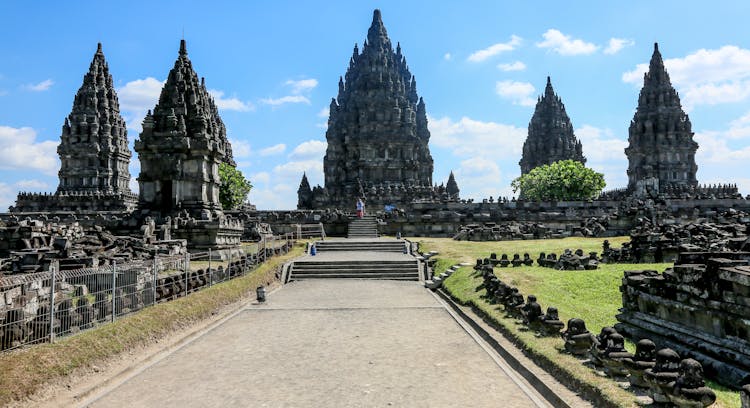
pixel 360 208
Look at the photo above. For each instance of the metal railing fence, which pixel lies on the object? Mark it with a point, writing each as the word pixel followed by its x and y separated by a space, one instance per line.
pixel 38 307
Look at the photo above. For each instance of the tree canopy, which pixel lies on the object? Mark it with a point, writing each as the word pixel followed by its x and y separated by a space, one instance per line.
pixel 565 180
pixel 234 187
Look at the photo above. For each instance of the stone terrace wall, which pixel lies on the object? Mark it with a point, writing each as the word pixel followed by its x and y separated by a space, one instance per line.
pixel 700 308
pixel 445 219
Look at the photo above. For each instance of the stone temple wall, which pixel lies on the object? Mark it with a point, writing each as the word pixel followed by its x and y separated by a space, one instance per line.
pixel 445 219
pixel 700 308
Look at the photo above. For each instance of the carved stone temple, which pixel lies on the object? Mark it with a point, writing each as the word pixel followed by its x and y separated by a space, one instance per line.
pixel 180 148
pixel 661 154
pixel 93 150
pixel 550 138
pixel 377 133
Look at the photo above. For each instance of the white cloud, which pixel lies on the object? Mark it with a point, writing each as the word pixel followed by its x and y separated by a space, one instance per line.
pixel 32 185
pixel 7 197
pixel 19 150
pixel 605 153
pixel 273 150
pixel 296 168
pixel 232 104
pixel 513 66
pixel 285 99
pixel 705 77
pixel 261 177
pixel 302 85
pixel 42 86
pixel 601 145
pixel 277 197
pixel 240 148
pixel 472 138
pixel 309 149
pixel 518 92
pixel 480 178
pixel 140 94
pixel 565 44
pixel 447 56
pixel 325 112
pixel 492 50
pixel 136 97
pixel 617 44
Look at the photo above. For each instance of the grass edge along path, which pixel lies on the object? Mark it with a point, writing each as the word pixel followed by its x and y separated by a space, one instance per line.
pixel 26 371
pixel 463 287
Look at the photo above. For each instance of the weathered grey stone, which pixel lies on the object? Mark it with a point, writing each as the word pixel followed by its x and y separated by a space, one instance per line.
pixel 550 138
pixel 377 134
pixel 94 153
pixel 661 149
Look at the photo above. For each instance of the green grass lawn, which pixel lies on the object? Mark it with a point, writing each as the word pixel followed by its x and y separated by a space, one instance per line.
pixel 591 295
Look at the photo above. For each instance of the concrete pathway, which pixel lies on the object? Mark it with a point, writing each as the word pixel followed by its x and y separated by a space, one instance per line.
pixel 330 343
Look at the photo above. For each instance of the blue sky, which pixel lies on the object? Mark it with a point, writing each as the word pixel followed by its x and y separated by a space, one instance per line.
pixel 273 68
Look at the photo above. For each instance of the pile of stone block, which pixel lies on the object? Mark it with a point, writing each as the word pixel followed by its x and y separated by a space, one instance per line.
pixel 699 307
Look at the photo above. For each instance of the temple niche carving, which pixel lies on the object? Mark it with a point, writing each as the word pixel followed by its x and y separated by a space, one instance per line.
pixel 181 146
pixel 661 153
pixel 550 138
pixel 93 151
pixel 377 133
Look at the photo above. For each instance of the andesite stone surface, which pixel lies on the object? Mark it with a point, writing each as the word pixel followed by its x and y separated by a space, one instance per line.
pixel 93 150
pixel 181 146
pixel 377 133
pixel 550 138
pixel 661 151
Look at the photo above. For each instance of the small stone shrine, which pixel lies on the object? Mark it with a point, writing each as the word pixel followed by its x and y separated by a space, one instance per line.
pixel 661 153
pixel 377 134
pixel 94 153
pixel 550 138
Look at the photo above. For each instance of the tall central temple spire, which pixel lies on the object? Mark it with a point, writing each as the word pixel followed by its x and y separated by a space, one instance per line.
pixel 661 151
pixel 550 138
pixel 377 129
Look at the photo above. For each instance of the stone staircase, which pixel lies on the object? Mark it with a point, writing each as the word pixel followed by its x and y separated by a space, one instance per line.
pixel 392 270
pixel 361 245
pixel 361 258
pixel 365 227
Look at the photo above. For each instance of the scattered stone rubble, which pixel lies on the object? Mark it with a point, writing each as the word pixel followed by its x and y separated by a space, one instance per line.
pixel 32 245
pixel 699 307
pixel 651 243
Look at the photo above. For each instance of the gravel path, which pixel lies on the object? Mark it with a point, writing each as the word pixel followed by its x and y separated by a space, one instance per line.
pixel 329 343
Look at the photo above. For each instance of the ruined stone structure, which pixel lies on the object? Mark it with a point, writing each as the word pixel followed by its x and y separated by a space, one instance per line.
pixel 181 146
pixel 93 151
pixel 550 138
pixel 377 132
pixel 661 153
pixel 698 308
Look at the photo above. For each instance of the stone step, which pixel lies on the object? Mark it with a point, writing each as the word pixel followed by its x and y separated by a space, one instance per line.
pixel 297 270
pixel 355 264
pixel 357 248
pixel 354 276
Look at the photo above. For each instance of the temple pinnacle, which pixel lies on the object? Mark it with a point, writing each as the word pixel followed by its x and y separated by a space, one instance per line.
pixel 183 47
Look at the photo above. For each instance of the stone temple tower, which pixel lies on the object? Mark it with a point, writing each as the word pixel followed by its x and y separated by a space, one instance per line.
pixel 93 149
pixel 377 129
pixel 550 138
pixel 181 145
pixel 661 154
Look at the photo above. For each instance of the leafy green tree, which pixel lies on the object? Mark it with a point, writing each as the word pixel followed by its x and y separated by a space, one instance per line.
pixel 565 180
pixel 234 187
